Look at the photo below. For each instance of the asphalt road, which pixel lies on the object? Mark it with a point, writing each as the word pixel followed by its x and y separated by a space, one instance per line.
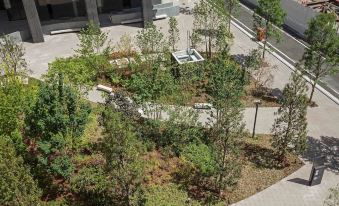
pixel 291 46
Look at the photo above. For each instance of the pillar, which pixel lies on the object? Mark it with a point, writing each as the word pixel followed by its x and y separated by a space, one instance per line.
pixel 147 11
pixel 33 20
pixel 92 11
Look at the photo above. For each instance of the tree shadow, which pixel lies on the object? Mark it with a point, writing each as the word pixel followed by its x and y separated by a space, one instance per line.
pixel 239 58
pixel 299 181
pixel 262 157
pixel 276 92
pixel 326 146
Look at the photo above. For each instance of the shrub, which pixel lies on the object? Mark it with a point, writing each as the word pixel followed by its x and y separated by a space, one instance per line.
pixel 170 194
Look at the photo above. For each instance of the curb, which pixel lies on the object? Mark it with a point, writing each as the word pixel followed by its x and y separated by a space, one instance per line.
pixel 284 61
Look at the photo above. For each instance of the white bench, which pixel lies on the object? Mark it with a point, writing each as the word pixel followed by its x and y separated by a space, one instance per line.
pixel 131 21
pixel 202 106
pixel 65 31
pixel 104 88
pixel 162 16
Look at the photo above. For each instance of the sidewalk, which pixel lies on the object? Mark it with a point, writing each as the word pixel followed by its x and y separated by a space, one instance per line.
pixel 323 121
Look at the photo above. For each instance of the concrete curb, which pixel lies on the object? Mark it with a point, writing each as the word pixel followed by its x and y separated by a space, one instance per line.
pixel 281 59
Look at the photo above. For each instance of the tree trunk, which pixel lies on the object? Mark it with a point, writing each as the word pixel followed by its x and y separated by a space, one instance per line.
pixel 312 91
pixel 264 50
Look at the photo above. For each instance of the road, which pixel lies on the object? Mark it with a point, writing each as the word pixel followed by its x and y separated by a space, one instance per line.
pixel 291 46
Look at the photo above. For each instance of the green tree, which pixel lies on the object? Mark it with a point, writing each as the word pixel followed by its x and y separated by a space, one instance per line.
pixel 321 57
pixel 123 153
pixel 15 96
pixel 333 197
pixel 227 8
pixel 268 15
pixel 290 127
pixel 173 31
pixel 180 129
pixel 252 62
pixel 17 186
pixel 150 88
pixel 54 125
pixel 94 48
pixel 231 6
pixel 150 39
pixel 225 88
pixel 207 21
pixel 12 56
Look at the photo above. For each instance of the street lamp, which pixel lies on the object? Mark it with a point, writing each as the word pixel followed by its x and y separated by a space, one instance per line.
pixel 257 103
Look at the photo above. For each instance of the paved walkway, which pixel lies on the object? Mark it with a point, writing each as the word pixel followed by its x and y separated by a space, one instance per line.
pixel 323 120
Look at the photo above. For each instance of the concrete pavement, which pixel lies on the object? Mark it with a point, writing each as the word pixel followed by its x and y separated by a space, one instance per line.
pixel 323 120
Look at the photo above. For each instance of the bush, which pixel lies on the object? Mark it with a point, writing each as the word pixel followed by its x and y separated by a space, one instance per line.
pixel 170 194
pixel 201 157
pixel 92 186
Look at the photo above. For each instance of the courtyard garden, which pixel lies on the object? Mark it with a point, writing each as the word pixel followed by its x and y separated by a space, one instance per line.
pixel 147 144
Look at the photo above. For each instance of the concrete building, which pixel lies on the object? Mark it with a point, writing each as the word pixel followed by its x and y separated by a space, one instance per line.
pixel 26 19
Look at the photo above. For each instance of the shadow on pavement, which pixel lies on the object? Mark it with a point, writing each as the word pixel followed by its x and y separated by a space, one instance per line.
pixel 299 181
pixel 327 147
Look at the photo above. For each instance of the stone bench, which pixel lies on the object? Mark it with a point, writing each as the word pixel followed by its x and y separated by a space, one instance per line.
pixel 104 88
pixel 65 31
pixel 202 106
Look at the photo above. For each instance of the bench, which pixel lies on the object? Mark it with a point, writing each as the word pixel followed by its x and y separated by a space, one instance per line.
pixel 202 106
pixel 104 88
pixel 65 31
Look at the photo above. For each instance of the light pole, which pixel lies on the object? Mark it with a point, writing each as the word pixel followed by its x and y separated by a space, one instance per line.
pixel 257 103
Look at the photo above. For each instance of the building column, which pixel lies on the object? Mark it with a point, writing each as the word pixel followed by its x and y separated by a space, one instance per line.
pixel 147 11
pixel 33 20
pixel 92 11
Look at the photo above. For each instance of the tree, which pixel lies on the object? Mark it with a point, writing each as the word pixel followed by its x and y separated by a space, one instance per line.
pixel 17 185
pixel 15 96
pixel 12 56
pixel 173 31
pixel 225 8
pixel 94 48
pixel 225 88
pixel 123 153
pixel 54 125
pixel 321 57
pixel 231 7
pixel 125 46
pixel 268 15
pixel 181 128
pixel 252 63
pixel 150 39
pixel 290 127
pixel 150 88
pixel 333 197
pixel 207 22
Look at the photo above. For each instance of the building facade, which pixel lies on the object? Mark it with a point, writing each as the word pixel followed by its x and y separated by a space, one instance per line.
pixel 37 15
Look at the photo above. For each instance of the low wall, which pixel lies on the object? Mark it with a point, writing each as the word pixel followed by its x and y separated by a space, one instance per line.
pixel 297 15
pixel 21 36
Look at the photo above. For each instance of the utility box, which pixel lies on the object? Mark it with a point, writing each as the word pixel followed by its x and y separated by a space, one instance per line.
pixel 317 172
